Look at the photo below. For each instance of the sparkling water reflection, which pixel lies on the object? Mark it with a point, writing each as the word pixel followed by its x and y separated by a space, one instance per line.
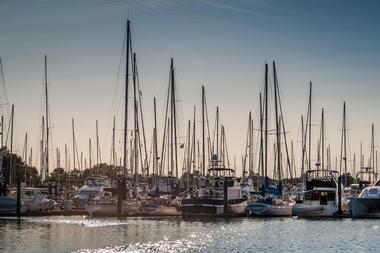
pixel 87 235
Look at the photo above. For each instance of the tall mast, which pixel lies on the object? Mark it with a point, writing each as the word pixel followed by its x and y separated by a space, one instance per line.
pixel 193 145
pixel 310 126
pixel 277 122
pixel 261 138
pixel 373 149
pixel 345 138
pixel 361 155
pixel 266 121
pixel 303 146
pixel 127 49
pixel 136 120
pixel 343 148
pixel 66 157
pixel 113 154
pixel 72 125
pixel 247 145
pixel 155 151
pixel 11 171
pixel 217 132
pixel 90 152
pixel 203 133
pixel 97 147
pixel 42 150
pixel 323 139
pixel 174 120
pixel 188 165
pixel 47 121
pixel 2 131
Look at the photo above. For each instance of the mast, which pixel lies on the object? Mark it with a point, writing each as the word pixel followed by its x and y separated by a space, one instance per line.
pixel 309 118
pixel 47 121
pixel 66 157
pixel 136 120
pixel 303 146
pixel 42 150
pixel 97 148
pixel 261 138
pixel 217 132
pixel 345 138
pixel 89 152
pixel 72 124
pixel 11 171
pixel 373 150
pixel 188 153
pixel 247 145
pixel 155 151
pixel 174 120
pixel 277 123
pixel 127 49
pixel 203 133
pixel 323 139
pixel 2 131
pixel 113 155
pixel 193 145
pixel 25 155
pixel 266 121
pixel 343 145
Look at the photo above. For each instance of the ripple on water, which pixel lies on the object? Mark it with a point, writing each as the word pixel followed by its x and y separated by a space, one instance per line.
pixel 88 222
pixel 175 246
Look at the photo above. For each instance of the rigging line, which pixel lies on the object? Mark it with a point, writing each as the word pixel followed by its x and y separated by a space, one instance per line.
pixel 116 103
pixel 142 118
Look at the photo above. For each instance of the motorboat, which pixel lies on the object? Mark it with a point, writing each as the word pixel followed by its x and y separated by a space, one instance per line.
pixel 320 197
pixel 367 204
pixel 107 204
pixel 92 188
pixel 32 201
pixel 166 205
pixel 222 195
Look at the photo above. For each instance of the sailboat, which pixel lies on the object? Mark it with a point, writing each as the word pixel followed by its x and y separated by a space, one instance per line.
pixel 163 199
pixel 270 201
pixel 127 202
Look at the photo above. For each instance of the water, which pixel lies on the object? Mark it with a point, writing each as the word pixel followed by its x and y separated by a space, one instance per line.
pixel 88 235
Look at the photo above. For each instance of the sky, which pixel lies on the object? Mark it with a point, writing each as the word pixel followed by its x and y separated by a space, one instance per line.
pixel 220 44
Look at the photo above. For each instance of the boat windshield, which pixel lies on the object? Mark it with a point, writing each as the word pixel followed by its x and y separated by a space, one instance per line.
pixel 370 193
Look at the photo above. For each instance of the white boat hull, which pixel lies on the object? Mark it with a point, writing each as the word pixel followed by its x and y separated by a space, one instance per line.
pixel 314 210
pixel 268 210
pixel 160 210
pixel 111 208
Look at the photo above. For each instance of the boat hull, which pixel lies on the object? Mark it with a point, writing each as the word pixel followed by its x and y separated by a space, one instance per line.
pixel 8 205
pixel 268 210
pixel 110 209
pixel 160 210
pixel 365 208
pixel 310 210
pixel 210 207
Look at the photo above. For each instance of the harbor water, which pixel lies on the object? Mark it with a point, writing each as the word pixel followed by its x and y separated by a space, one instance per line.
pixel 89 235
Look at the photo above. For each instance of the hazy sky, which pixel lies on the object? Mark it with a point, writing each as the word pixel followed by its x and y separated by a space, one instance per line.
pixel 221 44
